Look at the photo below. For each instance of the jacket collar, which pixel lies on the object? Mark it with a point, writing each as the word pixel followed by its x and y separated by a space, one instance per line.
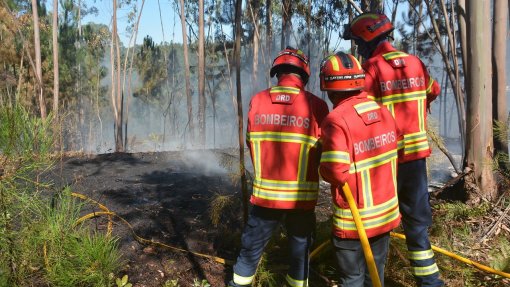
pixel 342 100
pixel 383 48
pixel 291 80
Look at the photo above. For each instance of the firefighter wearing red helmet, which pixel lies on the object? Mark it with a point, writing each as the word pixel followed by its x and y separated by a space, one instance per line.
pixel 282 135
pixel 359 149
pixel 401 83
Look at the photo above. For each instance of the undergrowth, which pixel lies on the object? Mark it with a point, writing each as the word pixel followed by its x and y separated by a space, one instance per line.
pixel 40 242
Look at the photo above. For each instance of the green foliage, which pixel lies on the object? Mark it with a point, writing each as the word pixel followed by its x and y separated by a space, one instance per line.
pixel 123 282
pixel 39 240
pixel 171 283
pixel 203 283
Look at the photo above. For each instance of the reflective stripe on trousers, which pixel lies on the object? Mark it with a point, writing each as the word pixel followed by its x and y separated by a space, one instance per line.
pixel 416 218
pixel 299 224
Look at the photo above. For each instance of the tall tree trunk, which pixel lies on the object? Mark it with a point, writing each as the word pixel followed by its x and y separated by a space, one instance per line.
pixel 286 23
pixel 242 168
pixel 201 74
pixel 119 147
pixel 55 59
pixel 38 65
pixel 479 145
pixel 186 71
pixel 269 37
pixel 499 70
pixel 254 11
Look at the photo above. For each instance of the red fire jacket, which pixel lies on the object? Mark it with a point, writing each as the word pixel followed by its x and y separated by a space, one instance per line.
pixel 360 147
pixel 282 134
pixel 402 84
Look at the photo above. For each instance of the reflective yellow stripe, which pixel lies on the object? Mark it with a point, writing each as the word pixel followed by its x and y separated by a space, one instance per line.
pixel 415 137
pixel 296 283
pixel 417 147
pixel 394 172
pixel 393 55
pixel 373 211
pixel 391 109
pixel 421 114
pixel 371 97
pixel 334 62
pixel 286 195
pixel 366 107
pixel 283 89
pixel 366 187
pixel 374 161
pixel 420 255
pixel 429 87
pixel 283 137
pixel 285 185
pixel 425 271
pixel 256 159
pixel 405 97
pixel 303 162
pixel 238 279
pixel 367 223
pixel 336 156
pixel 373 16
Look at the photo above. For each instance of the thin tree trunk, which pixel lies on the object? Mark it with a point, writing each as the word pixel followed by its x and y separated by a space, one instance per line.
pixel 119 145
pixel 55 59
pixel 459 99
pixel 242 167
pixel 256 40
pixel 201 74
pixel 499 69
pixel 38 65
pixel 187 71
pixel 269 37
pixel 286 23
pixel 130 74
pixel 479 142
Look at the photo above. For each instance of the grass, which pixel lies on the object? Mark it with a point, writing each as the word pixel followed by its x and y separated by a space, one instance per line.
pixel 40 242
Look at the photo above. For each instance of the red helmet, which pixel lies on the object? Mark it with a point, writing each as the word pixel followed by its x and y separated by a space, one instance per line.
pixel 341 72
pixel 291 60
pixel 367 27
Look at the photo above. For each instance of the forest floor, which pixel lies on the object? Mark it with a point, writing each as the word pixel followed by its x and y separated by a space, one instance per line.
pixel 166 197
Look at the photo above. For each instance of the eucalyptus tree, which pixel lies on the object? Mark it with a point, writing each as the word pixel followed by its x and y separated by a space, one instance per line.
pixel 38 64
pixel 499 45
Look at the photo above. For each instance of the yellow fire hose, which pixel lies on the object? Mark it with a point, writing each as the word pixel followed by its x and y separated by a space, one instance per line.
pixel 369 257
pixel 357 220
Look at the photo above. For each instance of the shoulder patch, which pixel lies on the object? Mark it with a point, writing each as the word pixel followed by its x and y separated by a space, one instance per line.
pixel 283 95
pixel 396 59
pixel 369 111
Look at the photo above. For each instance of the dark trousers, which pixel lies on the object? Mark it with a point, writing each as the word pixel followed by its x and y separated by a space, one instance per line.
pixel 300 226
pixel 414 206
pixel 351 261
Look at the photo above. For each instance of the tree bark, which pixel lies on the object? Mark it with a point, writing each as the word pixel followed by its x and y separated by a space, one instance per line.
pixel 254 10
pixel 187 71
pixel 269 37
pixel 499 69
pixel 242 168
pixel 201 74
pixel 55 59
pixel 119 146
pixel 479 144
pixel 38 65
pixel 286 23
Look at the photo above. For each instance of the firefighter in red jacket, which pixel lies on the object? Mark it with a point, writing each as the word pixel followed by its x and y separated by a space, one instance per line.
pixel 401 83
pixel 360 149
pixel 282 135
